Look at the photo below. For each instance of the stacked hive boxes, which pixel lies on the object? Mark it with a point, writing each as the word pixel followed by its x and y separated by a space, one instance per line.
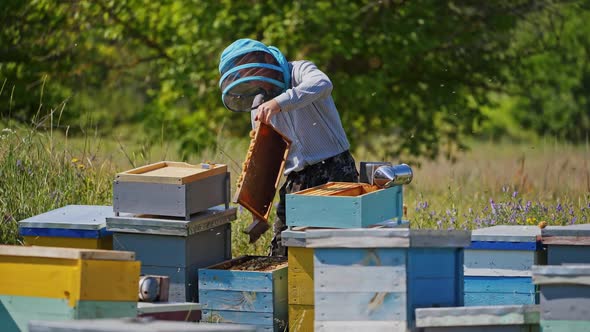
pixel 62 283
pixel 565 297
pixel 167 214
pixel 71 226
pixel 567 244
pixel 248 290
pixel 498 265
pixel 374 279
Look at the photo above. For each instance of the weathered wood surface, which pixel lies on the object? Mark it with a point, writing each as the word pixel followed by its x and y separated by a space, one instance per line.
pixel 199 222
pixel 182 200
pixel 355 326
pixel 105 243
pixel 478 316
pixel 582 230
pixel 17 311
pixel 80 217
pixel 568 254
pixel 565 326
pixel 133 325
pixel 507 233
pixel 344 211
pixel 575 274
pixel 301 317
pixel 179 311
pixel 65 253
pixel 171 172
pixel 500 263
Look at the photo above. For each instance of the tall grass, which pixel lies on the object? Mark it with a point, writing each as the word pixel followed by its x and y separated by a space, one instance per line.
pixel 41 169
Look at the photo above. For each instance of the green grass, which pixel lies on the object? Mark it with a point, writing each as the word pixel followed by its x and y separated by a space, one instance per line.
pixel 491 184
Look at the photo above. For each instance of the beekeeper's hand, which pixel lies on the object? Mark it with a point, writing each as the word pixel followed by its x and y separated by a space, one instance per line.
pixel 267 110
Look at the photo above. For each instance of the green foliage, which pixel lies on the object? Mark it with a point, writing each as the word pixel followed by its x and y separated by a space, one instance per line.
pixel 419 72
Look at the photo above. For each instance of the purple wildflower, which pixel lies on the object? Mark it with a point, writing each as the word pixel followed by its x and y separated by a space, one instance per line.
pixel 514 194
pixel 574 219
pixel 559 208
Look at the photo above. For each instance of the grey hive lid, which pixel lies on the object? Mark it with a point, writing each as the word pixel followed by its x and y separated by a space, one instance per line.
pixel 86 217
pixel 130 223
pixel 570 230
pixel 133 325
pixel 507 233
pixel 375 238
pixel 478 316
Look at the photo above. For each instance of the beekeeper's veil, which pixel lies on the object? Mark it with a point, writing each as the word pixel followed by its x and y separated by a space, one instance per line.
pixel 251 73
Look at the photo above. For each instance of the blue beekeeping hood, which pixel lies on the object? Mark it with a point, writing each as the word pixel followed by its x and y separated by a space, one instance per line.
pixel 251 73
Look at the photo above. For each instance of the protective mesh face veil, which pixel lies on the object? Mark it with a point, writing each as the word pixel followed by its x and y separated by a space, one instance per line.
pixel 251 73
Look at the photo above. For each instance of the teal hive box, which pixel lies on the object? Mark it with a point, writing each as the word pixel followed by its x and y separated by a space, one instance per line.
pixel 373 279
pixel 567 244
pixel 249 290
pixel 565 297
pixel 510 318
pixel 344 205
pixel 498 265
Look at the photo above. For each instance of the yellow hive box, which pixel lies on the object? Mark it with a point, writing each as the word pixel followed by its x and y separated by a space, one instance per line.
pixel 300 279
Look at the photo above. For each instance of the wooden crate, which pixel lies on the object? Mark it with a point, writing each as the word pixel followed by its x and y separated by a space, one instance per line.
pixel 174 311
pixel 373 279
pixel 498 265
pixel 565 297
pixel 71 226
pixel 511 318
pixel 344 205
pixel 133 325
pixel 256 296
pixel 62 283
pixel 175 247
pixel 567 244
pixel 171 189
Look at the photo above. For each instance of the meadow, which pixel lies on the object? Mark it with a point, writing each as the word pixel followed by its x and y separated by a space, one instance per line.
pixel 491 183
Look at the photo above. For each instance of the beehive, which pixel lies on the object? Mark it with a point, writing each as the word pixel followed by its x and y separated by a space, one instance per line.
pixel 248 290
pixel 133 325
pixel 176 247
pixel 44 283
pixel 511 318
pixel 71 226
pixel 567 244
pixel 344 205
pixel 565 297
pixel 174 311
pixel 498 265
pixel 374 279
pixel 171 189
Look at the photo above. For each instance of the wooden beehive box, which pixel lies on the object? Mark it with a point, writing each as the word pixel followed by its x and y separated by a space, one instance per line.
pixel 71 226
pixel 249 290
pixel 374 279
pixel 172 189
pixel 174 311
pixel 498 265
pixel 134 325
pixel 344 205
pixel 567 244
pixel 45 283
pixel 565 297
pixel 262 171
pixel 510 318
pixel 175 247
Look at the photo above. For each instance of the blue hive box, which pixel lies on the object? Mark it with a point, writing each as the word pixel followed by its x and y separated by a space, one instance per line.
pixel 498 265
pixel 567 244
pixel 374 279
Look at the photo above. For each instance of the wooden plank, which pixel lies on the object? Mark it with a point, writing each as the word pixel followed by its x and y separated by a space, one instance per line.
pixel 105 309
pixel 506 233
pixel 238 317
pixel 145 224
pixel 359 257
pixel 490 298
pixel 81 217
pixel 65 253
pixel 134 325
pixel 478 316
pixel 301 317
pixel 301 276
pixel 429 238
pixel 182 316
pixel 569 230
pixel 513 285
pixel 566 254
pixel 109 280
pixel 368 279
pixel 156 307
pixel 234 280
pixel 353 326
pixel 105 243
pixel 171 173
pixel 567 240
pixel 355 306
pixel 562 274
pixel 499 262
pixel 358 238
pixel 236 300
